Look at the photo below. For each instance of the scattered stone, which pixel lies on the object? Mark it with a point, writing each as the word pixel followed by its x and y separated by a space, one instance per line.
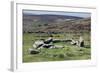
pixel 33 51
pixel 81 42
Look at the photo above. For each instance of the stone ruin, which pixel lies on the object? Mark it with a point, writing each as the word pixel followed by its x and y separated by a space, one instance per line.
pixel 79 42
pixel 48 43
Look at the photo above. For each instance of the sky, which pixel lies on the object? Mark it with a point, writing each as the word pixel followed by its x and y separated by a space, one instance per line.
pixel 77 14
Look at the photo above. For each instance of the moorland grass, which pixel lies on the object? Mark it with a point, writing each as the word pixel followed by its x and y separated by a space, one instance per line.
pixel 69 52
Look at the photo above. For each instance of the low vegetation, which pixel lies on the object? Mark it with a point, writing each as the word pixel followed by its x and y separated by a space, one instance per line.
pixel 69 52
pixel 36 27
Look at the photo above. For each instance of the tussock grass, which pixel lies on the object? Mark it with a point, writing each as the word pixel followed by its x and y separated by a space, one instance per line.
pixel 69 52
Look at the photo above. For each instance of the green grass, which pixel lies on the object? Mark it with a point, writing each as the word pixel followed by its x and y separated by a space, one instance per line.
pixel 69 52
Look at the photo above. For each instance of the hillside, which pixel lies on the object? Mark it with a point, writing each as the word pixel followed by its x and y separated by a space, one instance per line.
pixel 55 23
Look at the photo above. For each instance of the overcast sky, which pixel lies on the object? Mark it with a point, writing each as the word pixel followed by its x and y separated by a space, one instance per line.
pixel 78 14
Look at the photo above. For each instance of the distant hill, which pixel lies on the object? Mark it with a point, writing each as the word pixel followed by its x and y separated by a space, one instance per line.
pixel 55 23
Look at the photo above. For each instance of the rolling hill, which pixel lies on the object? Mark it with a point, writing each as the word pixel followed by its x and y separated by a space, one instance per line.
pixel 55 23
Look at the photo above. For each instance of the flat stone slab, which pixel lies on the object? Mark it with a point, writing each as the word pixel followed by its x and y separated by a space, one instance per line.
pixel 33 51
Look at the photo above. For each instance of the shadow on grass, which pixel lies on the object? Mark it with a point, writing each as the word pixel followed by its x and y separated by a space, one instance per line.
pixel 87 46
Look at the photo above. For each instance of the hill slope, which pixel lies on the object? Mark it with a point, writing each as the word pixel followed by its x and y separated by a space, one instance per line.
pixel 55 23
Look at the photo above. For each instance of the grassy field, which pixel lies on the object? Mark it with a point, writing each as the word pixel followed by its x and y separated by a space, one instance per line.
pixel 69 52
